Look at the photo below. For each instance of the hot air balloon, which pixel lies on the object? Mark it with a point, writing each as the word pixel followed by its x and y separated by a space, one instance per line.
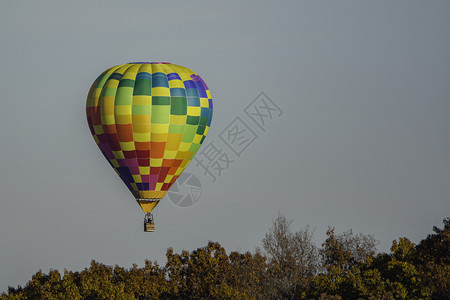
pixel 149 120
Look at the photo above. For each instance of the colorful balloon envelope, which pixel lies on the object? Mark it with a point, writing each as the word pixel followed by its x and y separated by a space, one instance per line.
pixel 149 120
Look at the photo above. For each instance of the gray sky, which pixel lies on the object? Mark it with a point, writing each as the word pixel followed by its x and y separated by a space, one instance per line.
pixel 363 141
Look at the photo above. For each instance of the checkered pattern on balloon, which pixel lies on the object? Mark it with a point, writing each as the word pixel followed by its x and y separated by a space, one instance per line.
pixel 149 120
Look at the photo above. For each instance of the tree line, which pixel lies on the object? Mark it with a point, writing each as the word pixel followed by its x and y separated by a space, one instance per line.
pixel 288 266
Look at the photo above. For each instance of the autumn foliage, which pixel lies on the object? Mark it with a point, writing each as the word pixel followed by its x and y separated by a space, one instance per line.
pixel 289 266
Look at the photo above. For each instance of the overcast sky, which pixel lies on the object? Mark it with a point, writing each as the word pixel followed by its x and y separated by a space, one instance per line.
pixel 361 139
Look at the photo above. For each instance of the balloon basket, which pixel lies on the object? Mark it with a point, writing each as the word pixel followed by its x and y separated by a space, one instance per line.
pixel 149 224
